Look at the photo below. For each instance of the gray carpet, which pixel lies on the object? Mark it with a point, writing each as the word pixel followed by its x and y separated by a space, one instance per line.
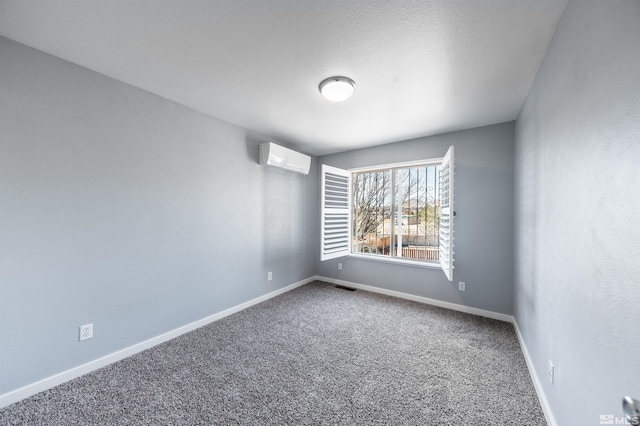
pixel 314 355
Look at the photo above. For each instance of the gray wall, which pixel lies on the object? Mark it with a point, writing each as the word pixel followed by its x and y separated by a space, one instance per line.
pixel 131 212
pixel 578 212
pixel 483 224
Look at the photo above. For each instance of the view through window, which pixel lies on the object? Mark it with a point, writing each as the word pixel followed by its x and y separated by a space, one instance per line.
pixel 396 212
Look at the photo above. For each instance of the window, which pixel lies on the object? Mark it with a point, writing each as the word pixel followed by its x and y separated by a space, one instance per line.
pixel 401 212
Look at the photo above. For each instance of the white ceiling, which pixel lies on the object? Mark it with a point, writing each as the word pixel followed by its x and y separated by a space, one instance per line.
pixel 421 67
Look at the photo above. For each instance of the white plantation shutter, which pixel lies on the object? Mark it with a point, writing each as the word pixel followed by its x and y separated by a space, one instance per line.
pixel 446 214
pixel 335 213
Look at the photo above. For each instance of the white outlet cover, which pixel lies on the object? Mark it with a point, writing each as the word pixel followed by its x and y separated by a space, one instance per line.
pixel 339 266
pixel 86 332
pixel 551 371
pixel 462 286
pixel 269 276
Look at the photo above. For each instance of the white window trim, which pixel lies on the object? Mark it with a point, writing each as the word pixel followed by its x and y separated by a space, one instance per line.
pixel 401 165
pixel 429 264
pixel 446 267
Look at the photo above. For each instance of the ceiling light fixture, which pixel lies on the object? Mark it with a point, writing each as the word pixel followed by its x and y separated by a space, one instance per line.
pixel 337 89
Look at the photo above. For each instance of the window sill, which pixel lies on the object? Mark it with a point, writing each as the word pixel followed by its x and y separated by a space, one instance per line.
pixel 396 260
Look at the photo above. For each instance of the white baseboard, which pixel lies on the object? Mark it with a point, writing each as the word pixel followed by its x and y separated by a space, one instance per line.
pixel 65 376
pixel 542 397
pixel 426 300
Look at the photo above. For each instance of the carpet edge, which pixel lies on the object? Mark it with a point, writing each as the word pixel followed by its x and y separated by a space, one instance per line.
pixel 31 389
pixel 537 384
pixel 434 302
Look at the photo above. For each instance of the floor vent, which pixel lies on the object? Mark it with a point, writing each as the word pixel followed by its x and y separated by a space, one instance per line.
pixel 341 287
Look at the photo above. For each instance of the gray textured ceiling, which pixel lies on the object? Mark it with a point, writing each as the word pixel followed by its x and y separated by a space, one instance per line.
pixel 421 67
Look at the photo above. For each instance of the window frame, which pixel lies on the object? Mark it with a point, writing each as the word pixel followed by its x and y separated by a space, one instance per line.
pixel 446 268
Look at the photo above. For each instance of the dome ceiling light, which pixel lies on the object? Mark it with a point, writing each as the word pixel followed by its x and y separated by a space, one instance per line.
pixel 337 89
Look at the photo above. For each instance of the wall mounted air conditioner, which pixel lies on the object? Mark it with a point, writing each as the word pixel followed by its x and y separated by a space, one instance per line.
pixel 275 155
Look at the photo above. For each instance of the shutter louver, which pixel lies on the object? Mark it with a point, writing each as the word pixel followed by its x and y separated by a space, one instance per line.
pixel 335 213
pixel 446 214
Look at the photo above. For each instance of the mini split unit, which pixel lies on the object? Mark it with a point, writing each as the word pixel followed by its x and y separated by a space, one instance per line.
pixel 278 156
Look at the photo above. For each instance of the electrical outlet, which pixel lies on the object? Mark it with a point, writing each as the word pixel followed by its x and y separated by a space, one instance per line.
pixel 269 276
pixel 339 266
pixel 86 332
pixel 551 371
pixel 462 286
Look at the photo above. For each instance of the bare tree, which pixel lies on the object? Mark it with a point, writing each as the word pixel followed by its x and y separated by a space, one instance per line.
pixel 372 201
